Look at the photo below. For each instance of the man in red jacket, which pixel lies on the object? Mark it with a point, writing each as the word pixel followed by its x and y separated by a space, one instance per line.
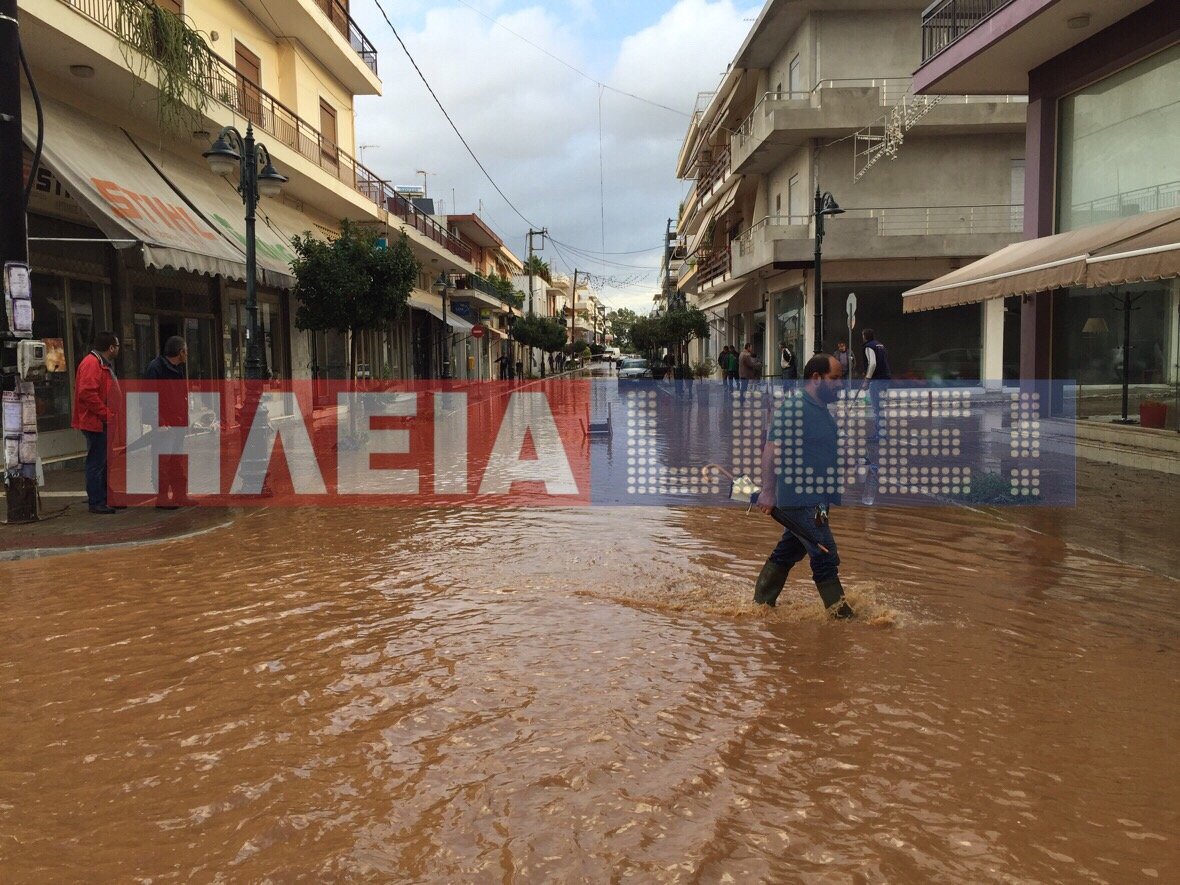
pixel 93 388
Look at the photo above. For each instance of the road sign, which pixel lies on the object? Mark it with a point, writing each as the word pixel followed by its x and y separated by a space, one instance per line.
pixel 850 307
pixel 477 331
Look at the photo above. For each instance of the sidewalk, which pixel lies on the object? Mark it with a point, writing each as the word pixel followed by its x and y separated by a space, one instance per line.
pixel 67 526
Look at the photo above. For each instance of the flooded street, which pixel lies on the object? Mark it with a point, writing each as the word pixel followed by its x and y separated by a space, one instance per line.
pixel 479 695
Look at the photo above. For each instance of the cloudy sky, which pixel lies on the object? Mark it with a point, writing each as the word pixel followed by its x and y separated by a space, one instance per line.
pixel 535 123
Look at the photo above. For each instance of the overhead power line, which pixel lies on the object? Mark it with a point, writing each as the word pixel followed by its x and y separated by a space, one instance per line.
pixel 576 70
pixel 430 89
pixel 596 255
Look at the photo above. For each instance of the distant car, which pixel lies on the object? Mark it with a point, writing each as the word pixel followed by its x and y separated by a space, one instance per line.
pixel 633 369
pixel 953 364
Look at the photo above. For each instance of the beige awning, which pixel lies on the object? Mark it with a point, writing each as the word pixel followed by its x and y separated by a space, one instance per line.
pixel 124 196
pixel 217 201
pixel 1136 248
pixel 1151 255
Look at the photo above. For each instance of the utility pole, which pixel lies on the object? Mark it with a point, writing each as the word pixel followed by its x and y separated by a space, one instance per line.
pixel 574 307
pixel 20 483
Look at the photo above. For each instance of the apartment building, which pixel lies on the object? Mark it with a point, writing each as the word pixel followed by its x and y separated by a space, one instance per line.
pixel 476 300
pixel 819 99
pixel 1097 280
pixel 131 230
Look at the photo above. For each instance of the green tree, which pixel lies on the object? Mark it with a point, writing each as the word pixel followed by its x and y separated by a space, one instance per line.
pixel 621 321
pixel 539 267
pixel 350 283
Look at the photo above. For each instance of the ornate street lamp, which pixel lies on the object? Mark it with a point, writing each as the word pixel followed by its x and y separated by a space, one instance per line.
pixel 825 204
pixel 257 177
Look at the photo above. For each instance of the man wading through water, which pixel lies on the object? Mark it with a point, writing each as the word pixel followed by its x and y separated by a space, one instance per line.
pixel 797 494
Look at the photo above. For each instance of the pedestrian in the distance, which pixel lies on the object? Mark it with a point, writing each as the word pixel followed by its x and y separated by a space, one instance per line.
pixel 95 392
pixel 172 395
pixel 749 368
pixel 502 362
pixel 842 355
pixel 877 373
pixel 797 494
pixel 786 362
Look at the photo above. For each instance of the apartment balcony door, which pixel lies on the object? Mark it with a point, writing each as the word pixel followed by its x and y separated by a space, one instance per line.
pixel 249 68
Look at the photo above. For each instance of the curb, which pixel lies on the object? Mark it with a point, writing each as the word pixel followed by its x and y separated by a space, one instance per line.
pixel 45 552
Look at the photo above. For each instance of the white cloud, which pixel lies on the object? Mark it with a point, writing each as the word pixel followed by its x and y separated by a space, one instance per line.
pixel 535 123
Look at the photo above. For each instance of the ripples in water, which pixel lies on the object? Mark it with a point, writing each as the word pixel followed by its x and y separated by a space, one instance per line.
pixel 468 695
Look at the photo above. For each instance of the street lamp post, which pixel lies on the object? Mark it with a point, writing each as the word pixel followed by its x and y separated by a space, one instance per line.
pixel 442 285
pixel 825 204
pixel 257 177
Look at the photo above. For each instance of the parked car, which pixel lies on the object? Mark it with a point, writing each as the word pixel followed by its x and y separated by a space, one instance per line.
pixel 633 369
pixel 953 364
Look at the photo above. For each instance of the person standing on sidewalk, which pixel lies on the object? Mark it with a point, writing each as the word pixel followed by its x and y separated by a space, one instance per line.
pixel 749 368
pixel 94 386
pixel 786 362
pixel 169 369
pixel 800 506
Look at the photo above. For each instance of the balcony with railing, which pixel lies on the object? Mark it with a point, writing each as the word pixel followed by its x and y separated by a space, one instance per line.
pixel 780 122
pixel 872 233
pixel 475 283
pixel 713 267
pixel 224 85
pixel 945 22
pixel 337 13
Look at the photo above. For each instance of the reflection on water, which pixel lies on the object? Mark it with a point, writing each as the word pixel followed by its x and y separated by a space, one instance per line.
pixel 475 695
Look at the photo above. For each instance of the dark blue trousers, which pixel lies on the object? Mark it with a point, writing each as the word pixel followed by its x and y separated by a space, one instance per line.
pixel 96 467
pixel 790 549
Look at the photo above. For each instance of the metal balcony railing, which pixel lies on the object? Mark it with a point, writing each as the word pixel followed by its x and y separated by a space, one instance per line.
pixel 337 13
pixel 918 221
pixel 714 266
pixel 246 98
pixel 945 21
pixel 479 284
pixel 715 173
pixel 892 90
pixel 899 221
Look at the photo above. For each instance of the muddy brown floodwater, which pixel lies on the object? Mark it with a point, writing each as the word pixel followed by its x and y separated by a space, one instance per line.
pixel 473 696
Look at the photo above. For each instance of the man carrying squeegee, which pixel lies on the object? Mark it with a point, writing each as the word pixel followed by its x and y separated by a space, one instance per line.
pixel 796 493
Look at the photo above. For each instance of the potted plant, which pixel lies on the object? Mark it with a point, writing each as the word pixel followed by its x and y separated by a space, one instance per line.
pixel 1153 413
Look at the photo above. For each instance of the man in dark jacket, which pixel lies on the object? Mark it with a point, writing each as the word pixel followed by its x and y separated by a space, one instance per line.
pixel 800 479
pixel 168 370
pixel 95 387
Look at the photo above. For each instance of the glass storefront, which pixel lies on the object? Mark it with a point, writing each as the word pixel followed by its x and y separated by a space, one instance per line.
pixel 933 345
pixel 1089 334
pixel 789 321
pixel 168 304
pixel 67 311
pixel 272 330
pixel 1114 157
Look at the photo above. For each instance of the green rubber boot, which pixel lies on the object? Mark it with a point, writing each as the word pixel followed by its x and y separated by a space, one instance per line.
pixel 771 581
pixel 831 592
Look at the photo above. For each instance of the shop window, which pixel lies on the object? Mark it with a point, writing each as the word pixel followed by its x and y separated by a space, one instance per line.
pixel 934 345
pixel 1088 341
pixel 66 314
pixel 1118 138
pixel 49 324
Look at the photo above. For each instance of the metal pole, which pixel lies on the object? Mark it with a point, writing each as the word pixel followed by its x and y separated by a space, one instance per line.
pixel 1126 354
pixel 819 286
pixel 249 183
pixel 13 231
